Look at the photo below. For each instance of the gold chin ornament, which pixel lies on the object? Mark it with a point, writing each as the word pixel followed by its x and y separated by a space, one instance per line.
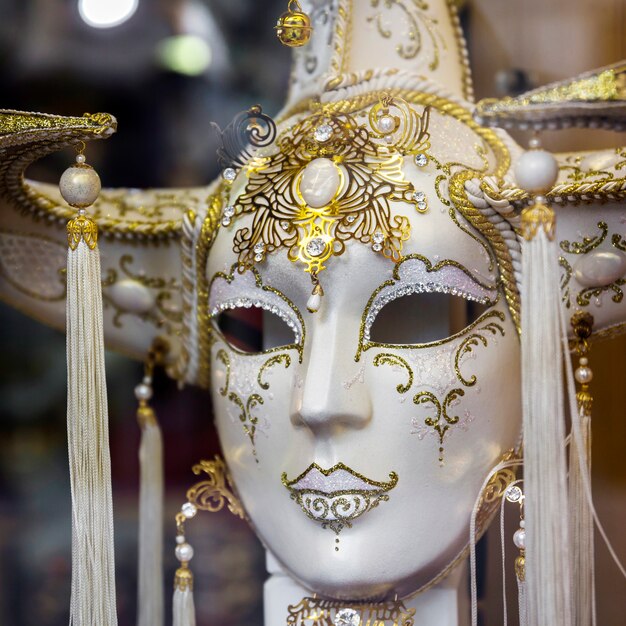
pixel 293 28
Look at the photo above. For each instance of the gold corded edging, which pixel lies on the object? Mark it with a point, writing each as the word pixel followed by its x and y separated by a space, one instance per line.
pixel 82 228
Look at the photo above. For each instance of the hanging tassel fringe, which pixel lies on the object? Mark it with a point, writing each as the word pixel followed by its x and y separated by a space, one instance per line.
pixel 150 587
pixel 548 569
pixel 183 606
pixel 580 461
pixel 93 567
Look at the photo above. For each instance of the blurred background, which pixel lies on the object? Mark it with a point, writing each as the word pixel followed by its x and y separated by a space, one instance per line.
pixel 166 69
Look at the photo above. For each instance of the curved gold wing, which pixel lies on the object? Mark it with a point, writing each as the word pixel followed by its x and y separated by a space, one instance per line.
pixel 139 237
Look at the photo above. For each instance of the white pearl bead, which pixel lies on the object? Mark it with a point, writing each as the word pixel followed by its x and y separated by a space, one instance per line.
pixel 79 186
pixel 180 539
pixel 320 182
pixel 534 143
pixel 583 375
pixel 519 538
pixel 522 523
pixel 583 360
pixel 147 380
pixel 143 392
pixel 536 171
pixel 314 302
pixel 184 552
pixel 540 200
pixel 80 158
pixel 386 123
pixel 600 267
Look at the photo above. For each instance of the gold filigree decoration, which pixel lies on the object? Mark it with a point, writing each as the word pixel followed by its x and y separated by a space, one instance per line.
pixel 367 164
pixel 418 21
pixel 396 361
pixel 319 612
pixel 338 507
pixel 471 341
pixel 82 228
pixel 247 418
pixel 285 359
pixel 161 315
pixel 496 488
pixel 564 283
pixel 587 244
pixel 216 491
pixel 435 421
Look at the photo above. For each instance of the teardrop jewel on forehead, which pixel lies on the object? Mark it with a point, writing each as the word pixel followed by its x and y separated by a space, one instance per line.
pixel 329 179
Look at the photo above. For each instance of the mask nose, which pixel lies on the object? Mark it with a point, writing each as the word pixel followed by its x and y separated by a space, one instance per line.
pixel 333 396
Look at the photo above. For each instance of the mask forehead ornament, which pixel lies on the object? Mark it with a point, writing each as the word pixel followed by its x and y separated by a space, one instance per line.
pixel 330 179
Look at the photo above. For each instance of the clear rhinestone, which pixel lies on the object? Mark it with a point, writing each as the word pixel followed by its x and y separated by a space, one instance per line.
pixel 316 246
pixel 514 493
pixel 229 211
pixel 421 160
pixel 259 248
pixel 226 221
pixel 422 206
pixel 284 225
pixel 377 247
pixel 347 617
pixel 419 196
pixel 229 174
pixel 378 237
pixel 351 218
pixel 189 510
pixel 258 258
pixel 323 133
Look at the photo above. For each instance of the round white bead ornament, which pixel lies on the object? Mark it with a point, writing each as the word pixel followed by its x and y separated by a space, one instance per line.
pixel 143 392
pixel 519 538
pixel 536 171
pixel 80 184
pixel 184 552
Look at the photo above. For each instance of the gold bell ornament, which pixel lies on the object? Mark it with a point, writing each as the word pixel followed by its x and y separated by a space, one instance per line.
pixel 293 27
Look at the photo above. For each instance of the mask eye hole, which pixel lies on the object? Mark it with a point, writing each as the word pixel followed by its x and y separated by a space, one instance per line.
pixel 421 318
pixel 253 330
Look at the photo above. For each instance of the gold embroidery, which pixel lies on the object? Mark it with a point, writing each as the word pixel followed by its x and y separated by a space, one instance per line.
pixel 587 244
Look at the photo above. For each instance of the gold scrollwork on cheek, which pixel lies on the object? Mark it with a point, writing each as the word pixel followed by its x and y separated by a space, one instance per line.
pixel 222 356
pixel 587 244
pixel 416 15
pixel 435 421
pixel 471 341
pixel 397 361
pixel 216 491
pixel 285 359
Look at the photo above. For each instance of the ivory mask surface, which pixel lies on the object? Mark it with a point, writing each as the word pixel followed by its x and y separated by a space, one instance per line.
pixel 411 430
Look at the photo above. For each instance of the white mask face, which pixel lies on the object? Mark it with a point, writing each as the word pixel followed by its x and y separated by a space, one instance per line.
pixel 359 441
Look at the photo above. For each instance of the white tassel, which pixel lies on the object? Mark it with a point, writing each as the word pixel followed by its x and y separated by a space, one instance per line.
pixel 521 595
pixel 150 587
pixel 93 567
pixel 582 528
pixel 183 606
pixel 548 569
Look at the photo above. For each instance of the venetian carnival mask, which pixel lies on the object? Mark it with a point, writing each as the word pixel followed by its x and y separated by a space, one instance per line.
pixel 368 423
